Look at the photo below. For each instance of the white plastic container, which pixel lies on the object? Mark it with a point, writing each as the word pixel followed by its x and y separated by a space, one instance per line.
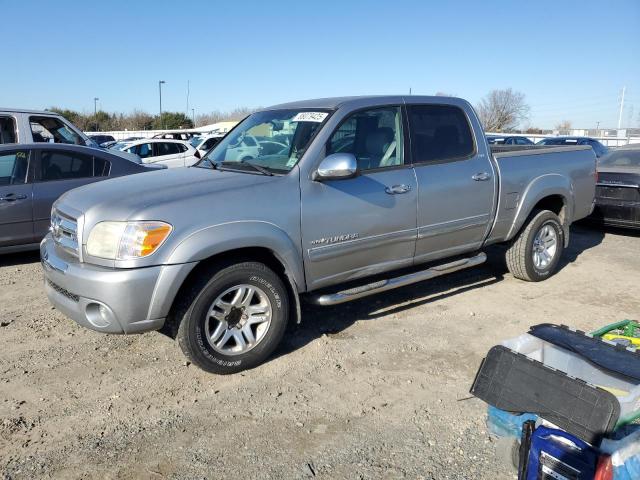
pixel 627 393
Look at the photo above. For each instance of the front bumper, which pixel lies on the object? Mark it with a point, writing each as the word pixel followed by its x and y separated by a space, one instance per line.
pixel 110 300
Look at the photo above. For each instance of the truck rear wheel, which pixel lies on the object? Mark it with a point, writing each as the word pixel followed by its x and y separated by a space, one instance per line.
pixel 536 250
pixel 236 320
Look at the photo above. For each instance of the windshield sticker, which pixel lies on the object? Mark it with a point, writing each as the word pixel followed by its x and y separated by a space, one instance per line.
pixel 310 117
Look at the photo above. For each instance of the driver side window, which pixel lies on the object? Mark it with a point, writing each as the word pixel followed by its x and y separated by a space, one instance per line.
pixel 373 136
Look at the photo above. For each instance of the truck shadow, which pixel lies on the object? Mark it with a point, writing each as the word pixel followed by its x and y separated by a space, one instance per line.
pixel 318 321
pixel 20 258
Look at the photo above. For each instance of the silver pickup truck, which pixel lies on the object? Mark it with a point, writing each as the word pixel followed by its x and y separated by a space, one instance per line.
pixel 365 194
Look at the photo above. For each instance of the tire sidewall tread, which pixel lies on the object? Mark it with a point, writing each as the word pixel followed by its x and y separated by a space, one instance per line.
pixel 519 254
pixel 190 332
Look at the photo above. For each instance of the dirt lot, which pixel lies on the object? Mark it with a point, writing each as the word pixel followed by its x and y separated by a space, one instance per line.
pixel 374 389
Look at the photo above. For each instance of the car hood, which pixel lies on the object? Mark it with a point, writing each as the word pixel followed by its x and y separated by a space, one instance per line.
pixel 123 198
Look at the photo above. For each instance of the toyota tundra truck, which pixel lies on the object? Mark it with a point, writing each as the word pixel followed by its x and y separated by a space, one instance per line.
pixel 366 194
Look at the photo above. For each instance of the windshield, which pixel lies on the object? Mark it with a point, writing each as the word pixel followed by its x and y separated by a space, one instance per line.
pixel 274 139
pixel 621 158
pixel 195 141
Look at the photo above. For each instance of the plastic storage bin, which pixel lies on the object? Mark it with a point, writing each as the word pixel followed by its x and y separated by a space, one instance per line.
pixel 626 392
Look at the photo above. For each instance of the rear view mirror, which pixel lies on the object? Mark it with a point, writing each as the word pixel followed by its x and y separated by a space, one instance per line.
pixel 337 166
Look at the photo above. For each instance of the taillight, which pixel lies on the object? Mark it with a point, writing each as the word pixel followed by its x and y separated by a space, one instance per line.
pixel 604 470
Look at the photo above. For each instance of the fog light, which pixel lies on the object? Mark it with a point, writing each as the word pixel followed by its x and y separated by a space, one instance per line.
pixel 99 315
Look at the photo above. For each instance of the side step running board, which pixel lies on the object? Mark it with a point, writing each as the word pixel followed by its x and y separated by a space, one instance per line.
pixel 384 285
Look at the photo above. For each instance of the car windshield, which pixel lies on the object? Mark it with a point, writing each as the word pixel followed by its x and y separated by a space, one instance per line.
pixel 273 139
pixel 195 141
pixel 621 158
pixel 119 146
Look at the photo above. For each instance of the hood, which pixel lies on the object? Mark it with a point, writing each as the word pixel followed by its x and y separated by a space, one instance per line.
pixel 122 197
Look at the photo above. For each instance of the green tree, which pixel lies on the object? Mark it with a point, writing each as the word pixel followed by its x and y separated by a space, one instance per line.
pixel 172 120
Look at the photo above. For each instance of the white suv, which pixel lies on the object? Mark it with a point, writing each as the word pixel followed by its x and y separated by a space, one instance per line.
pixel 172 153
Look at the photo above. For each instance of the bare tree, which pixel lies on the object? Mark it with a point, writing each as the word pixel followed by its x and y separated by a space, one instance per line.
pixel 502 110
pixel 564 127
pixel 218 116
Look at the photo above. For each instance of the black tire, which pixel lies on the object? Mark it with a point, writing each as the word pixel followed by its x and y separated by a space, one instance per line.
pixel 519 255
pixel 191 332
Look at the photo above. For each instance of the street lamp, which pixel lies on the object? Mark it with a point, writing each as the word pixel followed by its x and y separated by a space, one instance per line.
pixel 95 111
pixel 160 82
pixel 193 116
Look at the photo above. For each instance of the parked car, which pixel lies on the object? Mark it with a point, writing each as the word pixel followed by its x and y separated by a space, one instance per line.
pixel 246 147
pixel 35 126
pixel 508 140
pixel 176 135
pixel 33 176
pixel 205 143
pixel 102 139
pixel 220 254
pixel 598 147
pixel 618 188
pixel 172 153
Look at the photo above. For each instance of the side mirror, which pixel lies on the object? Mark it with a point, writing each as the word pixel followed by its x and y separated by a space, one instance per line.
pixel 337 166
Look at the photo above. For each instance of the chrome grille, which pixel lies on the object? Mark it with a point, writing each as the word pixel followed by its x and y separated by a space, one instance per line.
pixel 64 231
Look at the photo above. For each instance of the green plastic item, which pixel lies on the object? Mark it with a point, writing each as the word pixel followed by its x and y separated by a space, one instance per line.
pixel 627 328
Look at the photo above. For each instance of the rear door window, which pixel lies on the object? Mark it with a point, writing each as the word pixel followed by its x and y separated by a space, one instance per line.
pixel 56 165
pixel 14 167
pixel 8 130
pixel 166 148
pixel 439 133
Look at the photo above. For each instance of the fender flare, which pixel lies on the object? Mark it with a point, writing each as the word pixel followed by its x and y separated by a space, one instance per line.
pixel 539 188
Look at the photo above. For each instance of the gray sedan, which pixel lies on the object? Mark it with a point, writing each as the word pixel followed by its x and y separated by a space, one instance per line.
pixel 33 176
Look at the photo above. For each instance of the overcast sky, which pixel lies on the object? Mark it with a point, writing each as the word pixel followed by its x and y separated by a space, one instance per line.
pixel 570 58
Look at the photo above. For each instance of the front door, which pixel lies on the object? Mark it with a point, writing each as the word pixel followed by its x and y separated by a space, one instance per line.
pixel 16 212
pixel 367 224
pixel 456 182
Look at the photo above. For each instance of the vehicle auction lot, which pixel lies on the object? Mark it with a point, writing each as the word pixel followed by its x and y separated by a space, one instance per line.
pixel 373 389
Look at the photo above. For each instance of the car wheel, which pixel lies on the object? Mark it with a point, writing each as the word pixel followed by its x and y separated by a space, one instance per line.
pixel 535 252
pixel 236 320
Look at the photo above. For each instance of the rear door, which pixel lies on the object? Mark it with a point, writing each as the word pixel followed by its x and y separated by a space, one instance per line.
pixel 56 172
pixel 16 213
pixel 359 226
pixel 456 181
pixel 168 153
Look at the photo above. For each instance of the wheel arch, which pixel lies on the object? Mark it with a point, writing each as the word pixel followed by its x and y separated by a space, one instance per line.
pixel 549 192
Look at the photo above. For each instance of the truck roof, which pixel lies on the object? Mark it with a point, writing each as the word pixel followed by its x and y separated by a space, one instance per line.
pixel 26 110
pixel 357 101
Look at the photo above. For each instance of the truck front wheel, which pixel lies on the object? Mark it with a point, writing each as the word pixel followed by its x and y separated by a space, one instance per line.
pixel 535 252
pixel 236 320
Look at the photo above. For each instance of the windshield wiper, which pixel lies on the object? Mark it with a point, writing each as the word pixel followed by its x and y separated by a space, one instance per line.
pixel 257 168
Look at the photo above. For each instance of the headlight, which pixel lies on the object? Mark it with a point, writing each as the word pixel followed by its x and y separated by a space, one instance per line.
pixel 126 240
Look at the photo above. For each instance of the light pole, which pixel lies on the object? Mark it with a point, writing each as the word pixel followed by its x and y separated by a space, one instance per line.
pixel 193 116
pixel 95 111
pixel 160 82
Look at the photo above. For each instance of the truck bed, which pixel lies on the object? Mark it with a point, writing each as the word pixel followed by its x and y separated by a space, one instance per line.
pixel 523 170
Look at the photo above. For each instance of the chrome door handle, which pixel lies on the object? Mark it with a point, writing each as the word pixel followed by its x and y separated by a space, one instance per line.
pixel 481 177
pixel 12 197
pixel 397 189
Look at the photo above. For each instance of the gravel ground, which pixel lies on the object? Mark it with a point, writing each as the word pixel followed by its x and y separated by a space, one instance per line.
pixel 373 389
